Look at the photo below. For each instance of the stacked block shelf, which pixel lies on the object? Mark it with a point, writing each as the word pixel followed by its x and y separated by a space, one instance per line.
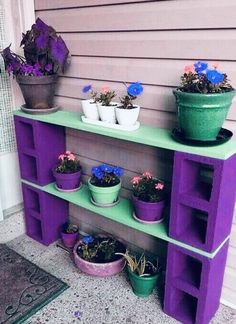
pixel 202 201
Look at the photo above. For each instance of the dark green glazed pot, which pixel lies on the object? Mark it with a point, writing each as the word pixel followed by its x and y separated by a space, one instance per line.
pixel 142 286
pixel 201 116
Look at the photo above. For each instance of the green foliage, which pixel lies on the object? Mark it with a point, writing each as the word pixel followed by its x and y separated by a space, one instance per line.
pixel 106 97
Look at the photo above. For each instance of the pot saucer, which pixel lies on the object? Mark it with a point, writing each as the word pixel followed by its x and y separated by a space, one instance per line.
pixel 39 111
pixel 68 190
pixel 147 222
pixel 223 136
pixel 105 205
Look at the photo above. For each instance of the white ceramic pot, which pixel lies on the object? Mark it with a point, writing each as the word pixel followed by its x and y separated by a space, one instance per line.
pixel 127 117
pixel 107 113
pixel 90 109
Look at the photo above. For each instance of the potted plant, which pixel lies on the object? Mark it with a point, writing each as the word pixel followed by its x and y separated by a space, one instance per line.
pixel 105 184
pixel 98 256
pixel 143 274
pixel 67 172
pixel 106 107
pixel 148 198
pixel 127 113
pixel 203 101
pixel 69 234
pixel 89 106
pixel 45 54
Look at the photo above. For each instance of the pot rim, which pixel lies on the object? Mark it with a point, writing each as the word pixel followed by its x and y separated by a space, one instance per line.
pixel 134 107
pixel 148 202
pixel 104 188
pixel 184 93
pixel 94 263
pixel 31 79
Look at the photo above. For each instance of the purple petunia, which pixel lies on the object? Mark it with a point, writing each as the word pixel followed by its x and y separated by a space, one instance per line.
pixel 59 51
pixel 87 88
pixel 48 67
pixel 135 89
pixel 214 76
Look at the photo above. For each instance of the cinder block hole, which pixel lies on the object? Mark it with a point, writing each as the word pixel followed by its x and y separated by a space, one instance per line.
pixel 26 135
pixel 28 167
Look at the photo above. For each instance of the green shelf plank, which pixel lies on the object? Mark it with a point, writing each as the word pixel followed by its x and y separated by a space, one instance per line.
pixel 121 213
pixel 157 137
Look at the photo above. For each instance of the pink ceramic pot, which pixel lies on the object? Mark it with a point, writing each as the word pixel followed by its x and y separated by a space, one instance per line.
pixel 98 269
pixel 69 239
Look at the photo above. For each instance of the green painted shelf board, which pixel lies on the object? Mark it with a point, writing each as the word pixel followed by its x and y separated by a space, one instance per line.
pixel 121 213
pixel 157 137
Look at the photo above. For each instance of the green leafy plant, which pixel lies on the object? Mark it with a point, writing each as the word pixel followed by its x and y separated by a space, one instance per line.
pixel 106 96
pixel 140 265
pixel 148 188
pixel 69 228
pixel 199 78
pixel 68 163
pixel 100 249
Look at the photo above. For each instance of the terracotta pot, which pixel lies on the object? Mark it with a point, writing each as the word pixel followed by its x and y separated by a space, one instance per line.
pixel 98 269
pixel 38 92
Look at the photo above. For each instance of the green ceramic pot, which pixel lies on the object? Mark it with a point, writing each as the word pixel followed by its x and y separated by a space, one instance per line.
pixel 104 195
pixel 201 116
pixel 142 286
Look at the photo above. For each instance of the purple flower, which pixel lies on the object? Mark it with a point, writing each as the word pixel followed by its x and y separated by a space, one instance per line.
pixel 59 51
pixel 87 88
pixel 135 89
pixel 27 69
pixel 214 76
pixel 87 239
pixel 200 67
pixel 48 67
pixel 118 171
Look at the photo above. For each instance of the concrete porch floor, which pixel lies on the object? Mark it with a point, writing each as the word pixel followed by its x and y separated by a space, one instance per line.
pixel 100 301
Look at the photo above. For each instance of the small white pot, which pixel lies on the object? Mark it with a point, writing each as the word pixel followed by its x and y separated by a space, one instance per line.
pixel 127 117
pixel 107 113
pixel 90 109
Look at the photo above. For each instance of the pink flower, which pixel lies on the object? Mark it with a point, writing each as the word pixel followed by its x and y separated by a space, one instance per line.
pixel 147 174
pixel 215 65
pixel 61 157
pixel 105 89
pixel 135 180
pixel 71 157
pixel 189 69
pixel 159 186
pixel 68 152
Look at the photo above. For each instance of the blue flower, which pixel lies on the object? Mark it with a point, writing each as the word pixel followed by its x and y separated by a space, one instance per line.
pixel 118 171
pixel 106 168
pixel 87 239
pixel 200 67
pixel 214 76
pixel 135 89
pixel 87 88
pixel 97 172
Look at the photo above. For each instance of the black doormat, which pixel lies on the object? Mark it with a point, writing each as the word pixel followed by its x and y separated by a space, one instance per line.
pixel 24 287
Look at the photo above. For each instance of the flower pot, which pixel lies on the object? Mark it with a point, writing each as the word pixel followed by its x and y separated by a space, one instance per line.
pixel 142 286
pixel 127 117
pixel 201 116
pixel 148 211
pixel 90 109
pixel 104 195
pixel 107 113
pixel 69 239
pixel 38 92
pixel 98 269
pixel 67 181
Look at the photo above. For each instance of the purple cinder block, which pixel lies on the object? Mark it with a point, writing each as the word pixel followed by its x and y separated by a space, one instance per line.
pixel 44 215
pixel 202 200
pixel 39 145
pixel 193 284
